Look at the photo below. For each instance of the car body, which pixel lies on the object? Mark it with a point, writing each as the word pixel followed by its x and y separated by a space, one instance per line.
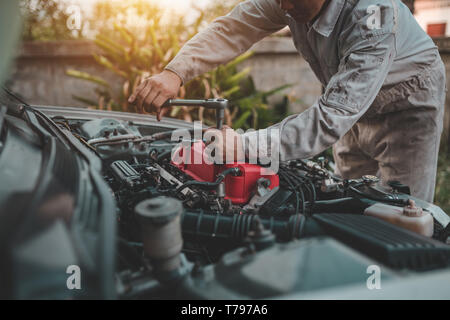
pixel 67 213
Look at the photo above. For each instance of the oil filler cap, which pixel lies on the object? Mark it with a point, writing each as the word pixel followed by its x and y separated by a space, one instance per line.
pixel 158 211
pixel 411 210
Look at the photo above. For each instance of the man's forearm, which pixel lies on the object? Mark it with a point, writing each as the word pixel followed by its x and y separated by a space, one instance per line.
pixel 227 37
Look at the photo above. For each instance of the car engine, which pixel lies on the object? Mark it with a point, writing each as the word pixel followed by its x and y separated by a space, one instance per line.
pixel 219 231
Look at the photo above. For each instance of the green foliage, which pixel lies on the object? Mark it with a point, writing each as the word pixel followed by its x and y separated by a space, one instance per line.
pixel 135 15
pixel 46 20
pixel 136 55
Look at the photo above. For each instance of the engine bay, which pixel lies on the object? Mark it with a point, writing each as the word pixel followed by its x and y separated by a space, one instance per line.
pixel 218 231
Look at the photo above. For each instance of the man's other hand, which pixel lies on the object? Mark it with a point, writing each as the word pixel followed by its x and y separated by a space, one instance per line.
pixel 153 92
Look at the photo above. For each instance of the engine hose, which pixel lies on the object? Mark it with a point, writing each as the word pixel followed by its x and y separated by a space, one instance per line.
pixel 297 189
pixel 292 187
pixel 309 186
pixel 306 183
pixel 164 156
pixel 298 219
pixel 236 227
pixel 209 185
pixel 402 202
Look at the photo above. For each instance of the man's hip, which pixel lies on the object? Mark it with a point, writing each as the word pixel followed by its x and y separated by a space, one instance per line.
pixel 398 139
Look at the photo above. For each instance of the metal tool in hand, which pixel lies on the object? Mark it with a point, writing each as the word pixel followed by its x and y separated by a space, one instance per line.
pixel 218 104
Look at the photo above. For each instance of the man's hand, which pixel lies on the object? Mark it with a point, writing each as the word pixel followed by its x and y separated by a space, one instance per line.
pixel 227 143
pixel 153 92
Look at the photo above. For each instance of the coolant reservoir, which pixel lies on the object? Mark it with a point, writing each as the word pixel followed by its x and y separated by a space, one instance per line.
pixel 410 217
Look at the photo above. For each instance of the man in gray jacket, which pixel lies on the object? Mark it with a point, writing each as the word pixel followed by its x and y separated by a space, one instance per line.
pixel 384 80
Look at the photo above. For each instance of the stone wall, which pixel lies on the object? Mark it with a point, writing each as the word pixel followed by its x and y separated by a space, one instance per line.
pixel 39 73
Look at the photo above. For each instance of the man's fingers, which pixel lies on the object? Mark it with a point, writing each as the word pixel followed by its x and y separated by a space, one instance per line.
pixel 142 95
pixel 132 98
pixel 163 112
pixel 158 102
pixel 148 102
pixel 138 89
pixel 158 114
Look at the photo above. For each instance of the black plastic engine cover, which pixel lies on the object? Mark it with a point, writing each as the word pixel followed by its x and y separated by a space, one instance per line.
pixel 393 246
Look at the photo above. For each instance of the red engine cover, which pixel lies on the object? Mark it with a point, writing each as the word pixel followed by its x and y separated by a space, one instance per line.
pixel 238 189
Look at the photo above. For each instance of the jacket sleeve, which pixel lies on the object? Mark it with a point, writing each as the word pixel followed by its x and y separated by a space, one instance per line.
pixel 366 58
pixel 228 37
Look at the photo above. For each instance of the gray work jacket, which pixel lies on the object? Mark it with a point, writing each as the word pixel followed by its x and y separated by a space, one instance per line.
pixel 354 55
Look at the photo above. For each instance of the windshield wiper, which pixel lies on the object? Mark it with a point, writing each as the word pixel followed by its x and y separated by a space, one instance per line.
pixel 15 96
pixel 15 109
pixel 32 117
